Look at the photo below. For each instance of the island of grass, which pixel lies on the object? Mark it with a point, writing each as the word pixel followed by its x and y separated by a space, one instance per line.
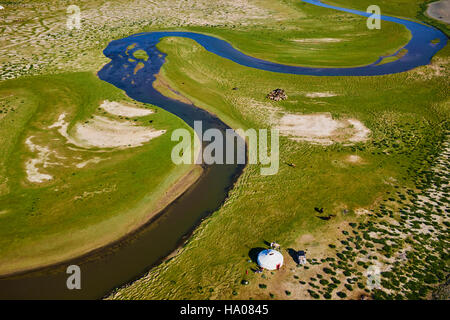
pixel 397 56
pixel 140 54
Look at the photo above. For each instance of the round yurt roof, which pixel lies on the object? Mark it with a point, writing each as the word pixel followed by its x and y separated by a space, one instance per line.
pixel 270 259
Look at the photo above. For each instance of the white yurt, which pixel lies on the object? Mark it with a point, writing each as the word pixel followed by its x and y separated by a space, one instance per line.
pixel 270 259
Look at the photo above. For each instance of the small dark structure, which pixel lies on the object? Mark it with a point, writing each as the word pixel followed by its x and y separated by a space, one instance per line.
pixel 301 257
pixel 319 210
pixel 277 95
pixel 290 164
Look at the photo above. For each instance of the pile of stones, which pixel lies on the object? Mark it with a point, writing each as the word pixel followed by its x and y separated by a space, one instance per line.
pixel 277 95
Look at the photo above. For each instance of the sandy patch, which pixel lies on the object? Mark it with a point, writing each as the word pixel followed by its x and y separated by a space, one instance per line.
pixel 318 40
pixel 440 10
pixel 306 238
pixel 42 160
pixel 322 128
pixel 119 109
pixel 320 94
pixel 362 211
pixel 361 132
pixel 85 163
pixel 102 132
pixel 353 159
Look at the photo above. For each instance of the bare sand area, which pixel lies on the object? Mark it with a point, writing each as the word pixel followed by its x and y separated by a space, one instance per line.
pixel 120 109
pixel 318 40
pixel 98 132
pixel 104 132
pixel 322 129
pixel 320 94
pixel 440 10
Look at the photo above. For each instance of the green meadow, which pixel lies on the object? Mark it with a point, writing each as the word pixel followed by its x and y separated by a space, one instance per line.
pixel 372 192
pixel 313 36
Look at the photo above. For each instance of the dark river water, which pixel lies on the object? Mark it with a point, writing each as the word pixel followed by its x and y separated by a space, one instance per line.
pixel 120 263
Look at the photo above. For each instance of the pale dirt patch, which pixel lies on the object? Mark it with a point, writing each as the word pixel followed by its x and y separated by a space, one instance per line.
pixel 440 10
pixel 362 211
pixel 102 132
pixel 318 40
pixel 322 128
pixel 320 94
pixel 43 160
pixel 361 132
pixel 119 109
pixel 390 181
pixel 353 158
pixel 306 238
pixel 85 163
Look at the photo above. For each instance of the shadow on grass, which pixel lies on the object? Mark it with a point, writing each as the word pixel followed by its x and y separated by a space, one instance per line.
pixel 253 253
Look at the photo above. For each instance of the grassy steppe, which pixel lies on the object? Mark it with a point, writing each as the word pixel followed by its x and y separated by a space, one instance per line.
pixel 406 113
pixel 80 208
pixel 408 116
pixel 314 36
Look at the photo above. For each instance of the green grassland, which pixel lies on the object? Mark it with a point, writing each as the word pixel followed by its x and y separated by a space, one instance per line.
pixel 84 208
pixel 333 39
pixel 408 116
pixel 404 8
pixel 80 208
pixel 413 9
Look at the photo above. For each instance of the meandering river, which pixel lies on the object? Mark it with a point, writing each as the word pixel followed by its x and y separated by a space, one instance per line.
pixel 115 265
